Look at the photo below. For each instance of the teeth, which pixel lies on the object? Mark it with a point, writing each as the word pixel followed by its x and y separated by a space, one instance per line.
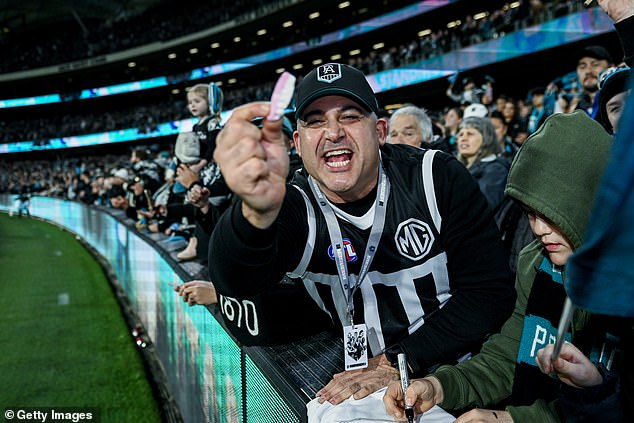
pixel 338 164
pixel 337 152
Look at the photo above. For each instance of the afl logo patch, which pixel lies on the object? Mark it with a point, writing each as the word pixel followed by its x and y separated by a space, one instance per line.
pixel 413 239
pixel 329 73
pixel 348 249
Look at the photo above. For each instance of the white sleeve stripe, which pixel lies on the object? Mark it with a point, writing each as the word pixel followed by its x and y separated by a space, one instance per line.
pixel 428 186
pixel 300 270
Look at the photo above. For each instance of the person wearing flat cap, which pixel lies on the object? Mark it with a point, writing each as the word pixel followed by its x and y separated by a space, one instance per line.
pixel 396 244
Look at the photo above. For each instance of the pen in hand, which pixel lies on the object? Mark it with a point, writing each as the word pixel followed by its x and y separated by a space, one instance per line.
pixel 402 370
pixel 564 325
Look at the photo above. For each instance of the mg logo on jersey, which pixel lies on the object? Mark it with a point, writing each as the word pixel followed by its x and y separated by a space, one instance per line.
pixel 413 239
pixel 328 73
pixel 348 250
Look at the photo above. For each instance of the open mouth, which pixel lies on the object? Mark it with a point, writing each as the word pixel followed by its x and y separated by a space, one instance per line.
pixel 338 158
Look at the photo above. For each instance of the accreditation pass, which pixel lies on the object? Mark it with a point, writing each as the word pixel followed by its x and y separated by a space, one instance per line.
pixel 355 339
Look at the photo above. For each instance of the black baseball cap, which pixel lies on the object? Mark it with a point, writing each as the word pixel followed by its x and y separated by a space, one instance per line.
pixel 335 79
pixel 612 81
pixel 596 52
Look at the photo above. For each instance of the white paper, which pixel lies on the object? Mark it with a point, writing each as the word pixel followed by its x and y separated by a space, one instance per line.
pixel 367 410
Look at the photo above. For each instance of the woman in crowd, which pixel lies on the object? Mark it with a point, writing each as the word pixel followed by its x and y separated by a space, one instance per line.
pixel 479 150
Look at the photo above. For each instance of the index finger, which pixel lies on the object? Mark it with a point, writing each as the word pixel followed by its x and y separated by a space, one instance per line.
pixel 420 394
pixel 333 390
pixel 393 399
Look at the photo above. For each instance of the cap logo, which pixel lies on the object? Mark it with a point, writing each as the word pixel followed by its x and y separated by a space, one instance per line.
pixel 329 73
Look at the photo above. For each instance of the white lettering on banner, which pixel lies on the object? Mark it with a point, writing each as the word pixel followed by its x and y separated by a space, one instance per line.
pixel 232 306
pixel 541 339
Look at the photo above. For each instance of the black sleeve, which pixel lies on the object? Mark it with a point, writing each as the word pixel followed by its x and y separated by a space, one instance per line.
pixel 596 403
pixel 209 220
pixel 245 260
pixel 131 212
pixel 481 283
pixel 625 30
pixel 211 144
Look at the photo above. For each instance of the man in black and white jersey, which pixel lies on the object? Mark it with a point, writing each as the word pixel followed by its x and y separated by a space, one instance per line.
pixel 395 243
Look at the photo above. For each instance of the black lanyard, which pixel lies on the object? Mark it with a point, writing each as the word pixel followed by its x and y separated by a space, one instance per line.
pixel 348 283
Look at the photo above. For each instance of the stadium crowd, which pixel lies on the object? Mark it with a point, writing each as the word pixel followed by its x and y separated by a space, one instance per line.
pixel 489 165
pixel 89 179
pixel 126 31
pixel 496 24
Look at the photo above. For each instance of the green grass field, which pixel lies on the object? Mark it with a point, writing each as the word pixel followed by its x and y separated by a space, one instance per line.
pixel 63 340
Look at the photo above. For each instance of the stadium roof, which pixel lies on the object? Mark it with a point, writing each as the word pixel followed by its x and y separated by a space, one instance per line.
pixel 18 15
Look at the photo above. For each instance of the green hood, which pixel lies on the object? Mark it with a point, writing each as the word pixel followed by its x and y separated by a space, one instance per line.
pixel 558 169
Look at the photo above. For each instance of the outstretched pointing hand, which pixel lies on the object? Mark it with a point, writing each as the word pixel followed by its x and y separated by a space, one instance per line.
pixel 254 162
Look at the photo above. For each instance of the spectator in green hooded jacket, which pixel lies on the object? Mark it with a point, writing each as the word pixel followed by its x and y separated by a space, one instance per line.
pixel 554 176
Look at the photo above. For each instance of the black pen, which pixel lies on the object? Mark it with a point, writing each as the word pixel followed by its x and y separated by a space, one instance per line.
pixel 402 370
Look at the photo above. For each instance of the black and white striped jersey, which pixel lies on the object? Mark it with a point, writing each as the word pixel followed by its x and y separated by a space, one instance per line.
pixel 408 279
pixel 439 281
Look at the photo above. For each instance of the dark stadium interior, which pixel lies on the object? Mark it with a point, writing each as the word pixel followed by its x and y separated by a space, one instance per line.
pixel 28 19
pixel 33 20
pixel 76 113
